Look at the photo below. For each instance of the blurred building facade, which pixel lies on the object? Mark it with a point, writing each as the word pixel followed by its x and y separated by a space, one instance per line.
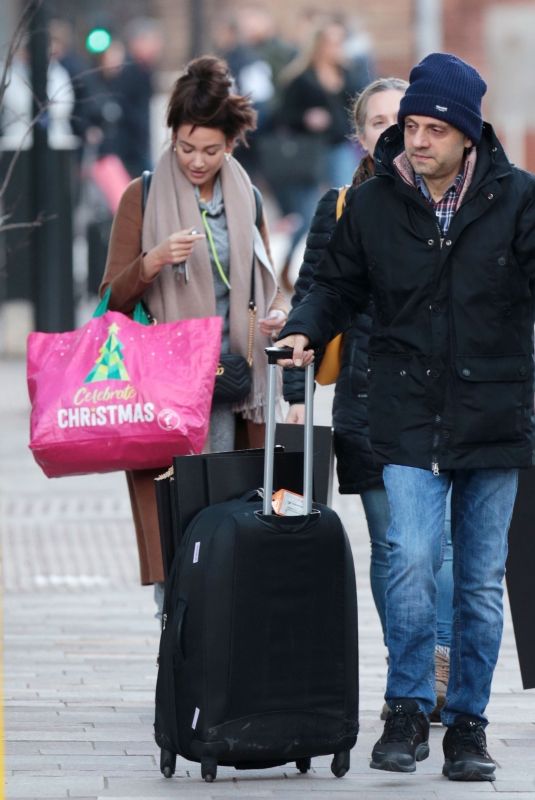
pixel 497 36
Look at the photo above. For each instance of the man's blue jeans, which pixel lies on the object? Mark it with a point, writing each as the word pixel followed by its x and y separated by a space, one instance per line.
pixel 375 504
pixel 481 507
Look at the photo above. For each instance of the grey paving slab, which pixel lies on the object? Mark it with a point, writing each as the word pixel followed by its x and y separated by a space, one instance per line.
pixel 44 786
pixel 82 763
pixel 81 642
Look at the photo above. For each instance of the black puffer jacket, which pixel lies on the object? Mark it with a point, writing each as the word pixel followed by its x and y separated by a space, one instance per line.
pixel 451 347
pixel 355 463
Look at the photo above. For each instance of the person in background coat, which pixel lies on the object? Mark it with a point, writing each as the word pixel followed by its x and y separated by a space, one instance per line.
pixel 443 239
pixel 133 87
pixel 315 92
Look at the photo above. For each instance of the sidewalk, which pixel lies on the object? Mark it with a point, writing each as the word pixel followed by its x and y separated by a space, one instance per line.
pixel 81 644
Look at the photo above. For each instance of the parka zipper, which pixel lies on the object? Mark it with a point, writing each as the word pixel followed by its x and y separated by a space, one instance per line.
pixel 435 469
pixel 436 439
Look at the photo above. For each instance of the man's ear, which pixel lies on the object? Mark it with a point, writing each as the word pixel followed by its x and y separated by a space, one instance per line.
pixel 468 143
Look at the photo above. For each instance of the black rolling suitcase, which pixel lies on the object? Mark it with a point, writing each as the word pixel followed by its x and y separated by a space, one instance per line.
pixel 258 661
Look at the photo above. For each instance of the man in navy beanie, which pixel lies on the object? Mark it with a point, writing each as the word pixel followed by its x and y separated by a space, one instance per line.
pixel 443 240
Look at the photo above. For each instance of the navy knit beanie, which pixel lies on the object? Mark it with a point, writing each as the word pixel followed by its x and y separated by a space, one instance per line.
pixel 445 87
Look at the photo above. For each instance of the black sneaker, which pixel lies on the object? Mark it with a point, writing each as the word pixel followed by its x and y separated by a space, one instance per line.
pixel 405 738
pixel 465 752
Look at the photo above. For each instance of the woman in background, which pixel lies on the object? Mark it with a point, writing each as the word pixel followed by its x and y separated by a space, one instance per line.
pixel 316 91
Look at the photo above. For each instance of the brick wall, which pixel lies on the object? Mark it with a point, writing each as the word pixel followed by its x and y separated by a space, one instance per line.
pixel 390 23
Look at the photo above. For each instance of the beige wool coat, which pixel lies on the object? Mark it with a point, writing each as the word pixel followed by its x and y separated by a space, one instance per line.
pixel 123 273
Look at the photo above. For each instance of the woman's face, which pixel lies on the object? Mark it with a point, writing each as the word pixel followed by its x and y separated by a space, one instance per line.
pixel 330 46
pixel 381 113
pixel 200 153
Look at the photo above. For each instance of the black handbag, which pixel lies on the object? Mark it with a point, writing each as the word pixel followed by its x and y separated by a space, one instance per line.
pixel 289 157
pixel 232 379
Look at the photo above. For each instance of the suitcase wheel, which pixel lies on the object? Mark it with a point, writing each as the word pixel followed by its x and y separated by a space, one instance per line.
pixel 209 769
pixel 340 764
pixel 303 764
pixel 167 763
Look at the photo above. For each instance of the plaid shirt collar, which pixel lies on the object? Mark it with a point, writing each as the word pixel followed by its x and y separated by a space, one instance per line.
pixel 446 207
pixel 405 171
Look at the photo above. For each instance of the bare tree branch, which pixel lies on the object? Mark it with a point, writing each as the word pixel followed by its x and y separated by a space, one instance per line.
pixel 16 40
pixel 36 223
pixel 21 29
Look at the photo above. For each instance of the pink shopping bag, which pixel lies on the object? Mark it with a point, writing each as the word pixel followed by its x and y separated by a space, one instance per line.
pixel 117 394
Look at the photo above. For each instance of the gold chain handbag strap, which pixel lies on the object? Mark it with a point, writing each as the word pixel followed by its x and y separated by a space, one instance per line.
pixel 252 302
pixel 252 325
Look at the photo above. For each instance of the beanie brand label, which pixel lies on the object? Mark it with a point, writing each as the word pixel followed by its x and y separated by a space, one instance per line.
pixel 447 88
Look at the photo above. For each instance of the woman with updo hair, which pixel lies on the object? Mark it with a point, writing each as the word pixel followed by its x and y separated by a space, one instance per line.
pixel 191 253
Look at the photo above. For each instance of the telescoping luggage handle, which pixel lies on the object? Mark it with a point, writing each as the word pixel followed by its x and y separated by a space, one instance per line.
pixel 274 354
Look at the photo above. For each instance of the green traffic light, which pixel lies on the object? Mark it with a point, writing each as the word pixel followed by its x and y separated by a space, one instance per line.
pixel 98 40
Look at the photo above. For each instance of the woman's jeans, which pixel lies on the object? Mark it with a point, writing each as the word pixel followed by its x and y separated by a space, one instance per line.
pixel 481 508
pixel 376 509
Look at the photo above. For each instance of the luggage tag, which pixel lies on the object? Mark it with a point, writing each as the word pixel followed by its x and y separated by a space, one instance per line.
pixel 288 504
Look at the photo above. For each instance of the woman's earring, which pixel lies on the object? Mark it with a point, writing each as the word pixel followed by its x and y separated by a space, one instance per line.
pixel 227 156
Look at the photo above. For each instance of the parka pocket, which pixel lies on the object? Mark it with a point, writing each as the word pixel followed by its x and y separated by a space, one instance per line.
pixel 388 381
pixel 493 398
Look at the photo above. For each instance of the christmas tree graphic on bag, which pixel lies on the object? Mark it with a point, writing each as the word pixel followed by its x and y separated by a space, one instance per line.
pixel 109 366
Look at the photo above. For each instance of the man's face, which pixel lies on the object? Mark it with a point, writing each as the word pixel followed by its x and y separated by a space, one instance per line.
pixel 434 148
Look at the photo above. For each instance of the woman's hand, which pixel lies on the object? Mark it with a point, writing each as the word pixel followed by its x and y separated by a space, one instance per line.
pixel 317 119
pixel 173 250
pixel 301 356
pixel 296 414
pixel 273 323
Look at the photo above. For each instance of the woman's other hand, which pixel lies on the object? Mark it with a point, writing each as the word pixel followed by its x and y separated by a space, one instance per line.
pixel 273 323
pixel 317 119
pixel 173 250
pixel 296 414
pixel 301 355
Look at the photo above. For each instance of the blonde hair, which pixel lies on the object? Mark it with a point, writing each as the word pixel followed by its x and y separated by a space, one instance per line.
pixel 359 107
pixel 306 58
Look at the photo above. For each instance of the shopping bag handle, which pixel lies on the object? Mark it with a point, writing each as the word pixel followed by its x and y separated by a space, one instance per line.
pixel 140 312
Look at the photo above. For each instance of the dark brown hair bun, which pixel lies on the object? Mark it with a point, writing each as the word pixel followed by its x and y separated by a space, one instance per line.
pixel 202 97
